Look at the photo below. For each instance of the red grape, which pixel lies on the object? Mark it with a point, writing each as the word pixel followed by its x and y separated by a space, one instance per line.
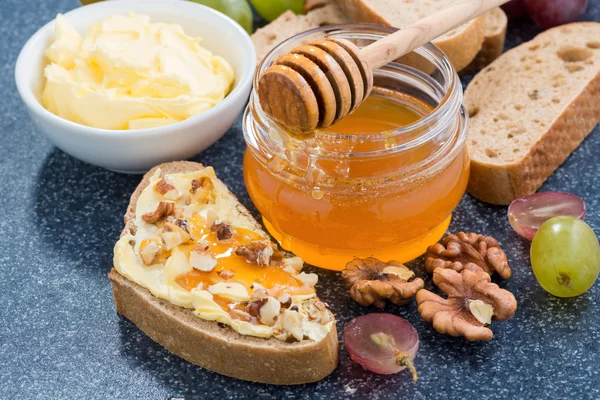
pixel 515 9
pixel 528 213
pixel 549 13
pixel 382 343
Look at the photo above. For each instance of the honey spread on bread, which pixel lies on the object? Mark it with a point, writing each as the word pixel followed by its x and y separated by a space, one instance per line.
pixel 190 245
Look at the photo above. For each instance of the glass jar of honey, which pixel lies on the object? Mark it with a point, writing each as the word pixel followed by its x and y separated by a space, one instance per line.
pixel 383 181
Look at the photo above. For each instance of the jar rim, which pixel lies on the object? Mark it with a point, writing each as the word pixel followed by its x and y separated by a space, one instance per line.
pixel 435 120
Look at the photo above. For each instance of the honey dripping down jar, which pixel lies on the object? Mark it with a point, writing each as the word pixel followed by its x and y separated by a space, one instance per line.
pixel 383 181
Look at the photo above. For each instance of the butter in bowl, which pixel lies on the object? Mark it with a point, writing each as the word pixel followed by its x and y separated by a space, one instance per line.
pixel 126 85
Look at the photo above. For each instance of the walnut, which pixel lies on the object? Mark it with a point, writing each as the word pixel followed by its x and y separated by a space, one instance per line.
pixel 473 301
pixel 204 183
pixel 371 281
pixel 201 190
pixel 224 231
pixel 458 251
pixel 253 307
pixel 173 235
pixel 309 280
pixel 290 324
pixel 293 264
pixel 163 187
pixel 260 252
pixel 201 260
pixel 149 249
pixel 163 210
pixel 266 310
pixel 285 299
pixel 316 310
pixel 226 274
pixel 182 223
pixel 210 217
pixel 259 292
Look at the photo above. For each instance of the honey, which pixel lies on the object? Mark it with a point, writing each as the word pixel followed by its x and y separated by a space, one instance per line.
pixel 382 182
pixel 273 278
pixel 383 111
pixel 398 223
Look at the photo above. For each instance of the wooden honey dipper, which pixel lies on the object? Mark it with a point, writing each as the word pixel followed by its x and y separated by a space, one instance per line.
pixel 318 84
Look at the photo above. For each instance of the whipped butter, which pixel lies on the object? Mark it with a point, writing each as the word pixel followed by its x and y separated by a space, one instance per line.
pixel 130 73
pixel 201 270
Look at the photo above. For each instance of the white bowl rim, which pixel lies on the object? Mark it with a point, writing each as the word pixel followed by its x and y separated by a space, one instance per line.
pixel 35 106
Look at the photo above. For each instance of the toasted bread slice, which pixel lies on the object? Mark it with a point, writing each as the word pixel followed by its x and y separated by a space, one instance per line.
pixel 530 109
pixel 461 45
pixel 289 24
pixel 496 23
pixel 209 344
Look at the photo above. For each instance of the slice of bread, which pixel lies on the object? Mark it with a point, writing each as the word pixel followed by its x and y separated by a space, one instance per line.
pixel 496 23
pixel 461 45
pixel 530 109
pixel 209 344
pixel 289 24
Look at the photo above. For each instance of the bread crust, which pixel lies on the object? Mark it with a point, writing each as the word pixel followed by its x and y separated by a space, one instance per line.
pixel 503 183
pixel 209 344
pixel 493 42
pixel 460 49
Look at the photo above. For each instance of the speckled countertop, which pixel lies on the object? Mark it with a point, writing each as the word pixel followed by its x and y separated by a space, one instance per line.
pixel 60 336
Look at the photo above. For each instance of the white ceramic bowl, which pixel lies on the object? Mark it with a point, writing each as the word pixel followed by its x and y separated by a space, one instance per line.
pixel 136 151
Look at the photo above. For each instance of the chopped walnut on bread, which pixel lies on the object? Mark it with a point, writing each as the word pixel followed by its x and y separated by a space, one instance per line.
pixel 196 273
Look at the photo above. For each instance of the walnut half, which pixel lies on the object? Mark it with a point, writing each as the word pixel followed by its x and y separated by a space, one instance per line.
pixel 473 301
pixel 467 250
pixel 371 281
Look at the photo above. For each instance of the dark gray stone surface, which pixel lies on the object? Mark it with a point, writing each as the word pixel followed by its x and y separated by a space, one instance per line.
pixel 60 336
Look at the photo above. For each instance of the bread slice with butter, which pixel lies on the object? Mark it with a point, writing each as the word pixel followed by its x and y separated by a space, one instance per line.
pixel 530 109
pixel 196 273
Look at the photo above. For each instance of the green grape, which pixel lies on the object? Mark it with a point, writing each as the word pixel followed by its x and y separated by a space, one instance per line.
pixel 565 256
pixel 271 9
pixel 238 10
